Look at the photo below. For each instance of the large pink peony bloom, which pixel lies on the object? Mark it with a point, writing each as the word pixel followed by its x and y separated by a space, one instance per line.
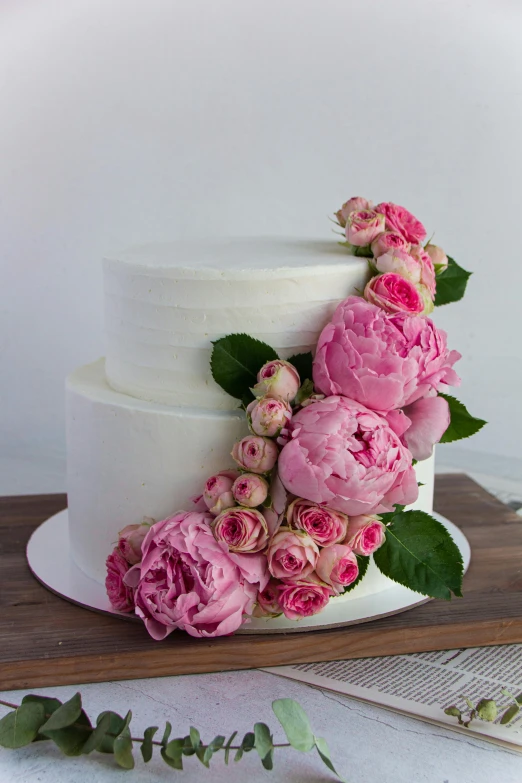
pixel 382 361
pixel 188 580
pixel 402 222
pixel 345 456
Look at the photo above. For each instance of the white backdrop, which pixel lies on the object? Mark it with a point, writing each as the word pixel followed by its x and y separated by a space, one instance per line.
pixel 127 121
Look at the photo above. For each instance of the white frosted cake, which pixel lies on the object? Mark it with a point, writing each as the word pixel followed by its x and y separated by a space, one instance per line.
pixel 148 425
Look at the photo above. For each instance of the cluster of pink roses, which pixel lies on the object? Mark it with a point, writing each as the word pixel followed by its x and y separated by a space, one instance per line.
pixel 405 279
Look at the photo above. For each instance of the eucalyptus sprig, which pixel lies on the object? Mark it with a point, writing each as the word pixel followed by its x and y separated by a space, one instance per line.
pixel 487 710
pixel 40 718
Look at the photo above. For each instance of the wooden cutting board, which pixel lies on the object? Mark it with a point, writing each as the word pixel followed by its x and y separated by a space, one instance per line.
pixel 44 640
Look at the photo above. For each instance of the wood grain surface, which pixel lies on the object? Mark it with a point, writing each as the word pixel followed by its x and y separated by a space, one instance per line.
pixel 44 640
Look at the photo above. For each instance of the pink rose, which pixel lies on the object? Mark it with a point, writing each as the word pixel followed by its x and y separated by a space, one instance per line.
pixel 291 553
pixel 389 241
pixel 268 416
pixel 365 534
pixel 355 204
pixel 250 490
pixel 130 540
pixel 394 293
pixel 428 418
pixel 218 491
pixel 120 595
pixel 337 566
pixel 190 581
pixel 427 270
pixel 268 600
pixel 256 454
pixel 363 227
pixel 277 379
pixel 438 257
pixel 241 529
pixel 402 222
pixel 401 263
pixel 382 361
pixel 324 525
pixel 347 457
pixel 303 597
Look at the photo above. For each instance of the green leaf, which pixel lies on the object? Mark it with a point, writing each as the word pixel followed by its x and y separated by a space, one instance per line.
pixel 305 392
pixel 216 744
pixel 303 363
pixel 239 754
pixel 419 553
pixel 236 359
pixel 172 753
pixel 71 739
pixel 487 710
pixel 146 745
pixel 20 727
pixel 363 563
pixel 123 746
pixel 65 714
pixel 49 704
pixel 97 736
pixel 451 284
pixel 264 744
pixel 166 733
pixel 518 698
pixel 295 723
pixel 227 746
pixel 195 738
pixel 462 424
pixel 324 753
pixel 509 714
pixel 453 711
pixel 115 726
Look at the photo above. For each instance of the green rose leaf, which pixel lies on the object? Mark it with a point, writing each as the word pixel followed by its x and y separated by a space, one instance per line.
pixel 115 726
pixel 236 359
pixel 509 714
pixel 19 727
pixel 363 563
pixel 324 752
pixel 451 284
pixel 303 363
pixel 295 723
pixel 65 714
pixel 462 424
pixel 123 746
pixel 146 745
pixel 264 744
pixel 419 553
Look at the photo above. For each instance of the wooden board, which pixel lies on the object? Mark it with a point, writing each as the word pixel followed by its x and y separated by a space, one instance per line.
pixel 44 640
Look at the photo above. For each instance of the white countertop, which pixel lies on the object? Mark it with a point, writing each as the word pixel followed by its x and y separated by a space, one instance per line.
pixel 367 743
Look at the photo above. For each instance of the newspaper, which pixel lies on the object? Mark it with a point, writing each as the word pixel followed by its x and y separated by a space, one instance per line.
pixel 422 685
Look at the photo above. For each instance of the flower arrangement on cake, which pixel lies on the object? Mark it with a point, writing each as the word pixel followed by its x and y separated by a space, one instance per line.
pixel 322 482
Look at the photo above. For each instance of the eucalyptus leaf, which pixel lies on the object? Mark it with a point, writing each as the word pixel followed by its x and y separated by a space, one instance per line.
pixel 227 746
pixel 295 723
pixel 97 736
pixel 115 726
pixel 264 744
pixel 49 704
pixel 453 712
pixel 451 284
pixel 324 752
pixel 303 363
pixel 146 745
pixel 213 746
pixel 64 715
pixel 462 424
pixel 123 746
pixel 172 753
pixel 20 727
pixel 487 710
pixel 235 362
pixel 71 739
pixel 419 553
pixel 248 742
pixel 195 738
pixel 166 733
pixel 509 714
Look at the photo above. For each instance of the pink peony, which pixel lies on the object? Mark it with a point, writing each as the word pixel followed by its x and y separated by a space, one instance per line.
pixel 268 600
pixel 337 566
pixel 382 361
pixel 427 276
pixel 120 595
pixel 256 454
pixel 428 418
pixel 438 257
pixel 291 553
pixel 365 534
pixel 394 293
pixel 277 379
pixel 190 581
pixel 324 525
pixel 402 222
pixel 355 204
pixel 130 540
pixel 303 597
pixel 218 491
pixel 347 457
pixel 389 241
pixel 401 263
pixel 363 227
pixel 250 490
pixel 268 416
pixel 241 529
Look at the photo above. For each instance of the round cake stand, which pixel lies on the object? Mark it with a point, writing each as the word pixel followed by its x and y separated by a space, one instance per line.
pixel 49 558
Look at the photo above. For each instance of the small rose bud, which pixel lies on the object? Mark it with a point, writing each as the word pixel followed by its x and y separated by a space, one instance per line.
pixel 218 491
pixel 255 454
pixel 401 263
pixel 277 379
pixel 363 227
pixel 268 416
pixel 387 241
pixel 268 600
pixel 250 490
pixel 355 204
pixel 438 257
pixel 366 533
pixel 130 540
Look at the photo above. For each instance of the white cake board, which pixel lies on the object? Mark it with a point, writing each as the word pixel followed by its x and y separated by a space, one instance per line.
pixel 49 558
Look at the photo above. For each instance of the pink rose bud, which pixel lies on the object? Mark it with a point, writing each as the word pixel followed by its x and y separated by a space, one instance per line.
pixel 277 379
pixel 268 416
pixel 366 533
pixel 438 257
pixel 355 204
pixel 389 241
pixel 363 227
pixel 250 490
pixel 394 294
pixel 401 263
pixel 324 525
pixel 218 491
pixel 268 600
pixel 130 540
pixel 241 529
pixel 427 278
pixel 291 553
pixel 303 597
pixel 120 595
pixel 255 454
pixel 337 566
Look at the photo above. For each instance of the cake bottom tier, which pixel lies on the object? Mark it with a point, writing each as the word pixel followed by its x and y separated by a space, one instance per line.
pixel 128 459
